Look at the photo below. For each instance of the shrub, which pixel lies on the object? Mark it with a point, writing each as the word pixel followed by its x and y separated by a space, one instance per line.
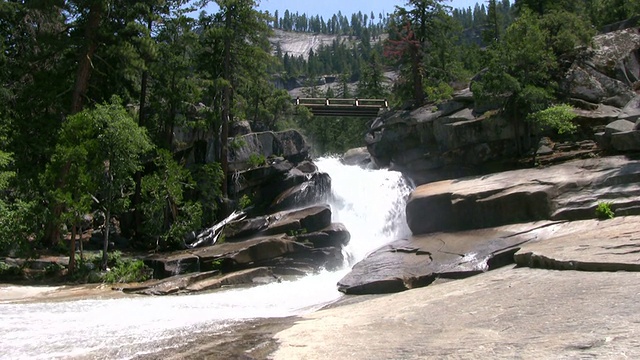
pixel 257 160
pixel 603 211
pixel 128 271
pixel 244 202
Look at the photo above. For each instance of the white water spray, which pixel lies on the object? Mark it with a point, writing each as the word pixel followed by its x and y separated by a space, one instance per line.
pixel 369 202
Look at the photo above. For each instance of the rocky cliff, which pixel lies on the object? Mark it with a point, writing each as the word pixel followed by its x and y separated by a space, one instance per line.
pixel 456 138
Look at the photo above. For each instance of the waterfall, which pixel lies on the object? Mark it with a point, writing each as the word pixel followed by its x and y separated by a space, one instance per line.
pixel 369 202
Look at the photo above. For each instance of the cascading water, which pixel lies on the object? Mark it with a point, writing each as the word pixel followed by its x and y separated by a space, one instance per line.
pixel 369 202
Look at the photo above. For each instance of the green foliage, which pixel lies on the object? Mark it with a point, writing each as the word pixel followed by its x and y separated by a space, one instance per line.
pixel 603 211
pixel 126 271
pixel 208 179
pixel 7 271
pixel 559 118
pixel 168 216
pixel 237 143
pixel 441 92
pixel 244 202
pixel 19 222
pixel 257 160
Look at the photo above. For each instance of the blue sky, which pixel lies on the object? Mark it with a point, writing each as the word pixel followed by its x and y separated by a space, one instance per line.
pixel 326 8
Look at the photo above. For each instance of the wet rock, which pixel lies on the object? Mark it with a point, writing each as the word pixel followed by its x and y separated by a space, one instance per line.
pixel 316 188
pixel 167 286
pixel 569 191
pixel 357 157
pixel 310 219
pixel 309 261
pixel 234 256
pixel 241 229
pixel 307 167
pixel 193 283
pixel 590 245
pixel 256 276
pixel 418 261
pixel 334 235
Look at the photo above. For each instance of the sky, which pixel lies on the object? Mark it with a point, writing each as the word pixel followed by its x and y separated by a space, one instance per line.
pixel 326 8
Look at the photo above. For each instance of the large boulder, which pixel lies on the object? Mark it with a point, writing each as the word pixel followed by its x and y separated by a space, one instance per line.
pixel 419 260
pixel 357 157
pixel 585 83
pixel 313 190
pixel 631 111
pixel 607 72
pixel 616 54
pixel 439 142
pixel 244 150
pixel 569 191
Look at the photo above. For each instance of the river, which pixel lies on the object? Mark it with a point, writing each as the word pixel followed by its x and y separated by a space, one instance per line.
pixel 371 203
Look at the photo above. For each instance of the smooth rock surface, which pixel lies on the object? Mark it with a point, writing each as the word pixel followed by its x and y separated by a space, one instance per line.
pixel 509 313
pixel 569 191
pixel 418 261
pixel 590 245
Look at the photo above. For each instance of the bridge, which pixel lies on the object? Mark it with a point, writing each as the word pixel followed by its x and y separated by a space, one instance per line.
pixel 343 107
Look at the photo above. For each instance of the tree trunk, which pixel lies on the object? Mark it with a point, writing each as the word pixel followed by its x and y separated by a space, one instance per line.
pixel 105 247
pixel 84 62
pixel 418 93
pixel 72 249
pixel 83 73
pixel 137 195
pixel 226 105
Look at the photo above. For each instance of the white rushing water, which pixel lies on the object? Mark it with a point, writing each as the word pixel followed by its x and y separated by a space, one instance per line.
pixel 369 202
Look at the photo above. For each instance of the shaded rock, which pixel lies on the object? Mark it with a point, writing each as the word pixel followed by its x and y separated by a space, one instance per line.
pixel 166 265
pixel 626 141
pixel 464 95
pixel 569 191
pixel 357 157
pixel 242 181
pixel 544 150
pixel 334 235
pixel 590 245
pixel 316 188
pixel 619 126
pixel 601 114
pixel 310 219
pixel 307 167
pixel 233 256
pixel 585 83
pixel 631 111
pixel 239 128
pixel 418 261
pixel 243 228
pixel 311 260
pixel 289 145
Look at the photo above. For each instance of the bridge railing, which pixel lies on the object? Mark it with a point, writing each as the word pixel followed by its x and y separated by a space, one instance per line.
pixel 312 102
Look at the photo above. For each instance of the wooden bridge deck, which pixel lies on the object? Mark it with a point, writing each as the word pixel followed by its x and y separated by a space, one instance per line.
pixel 343 107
